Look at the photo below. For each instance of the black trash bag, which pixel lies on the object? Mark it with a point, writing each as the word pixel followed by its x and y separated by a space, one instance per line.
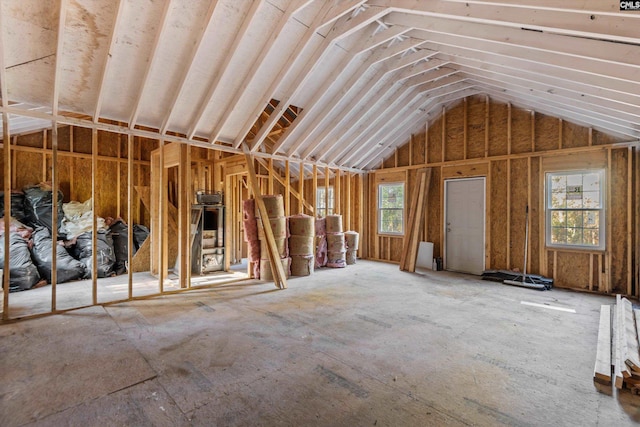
pixel 23 273
pixel 120 234
pixel 68 268
pixel 38 203
pixel 105 256
pixel 17 206
pixel 140 234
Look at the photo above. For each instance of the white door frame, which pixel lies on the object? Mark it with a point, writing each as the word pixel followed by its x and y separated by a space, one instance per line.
pixel 484 217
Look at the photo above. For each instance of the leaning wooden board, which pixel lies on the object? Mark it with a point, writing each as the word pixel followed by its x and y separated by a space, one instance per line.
pixel 602 371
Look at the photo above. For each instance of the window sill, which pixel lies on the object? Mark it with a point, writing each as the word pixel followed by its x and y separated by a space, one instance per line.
pixel 575 249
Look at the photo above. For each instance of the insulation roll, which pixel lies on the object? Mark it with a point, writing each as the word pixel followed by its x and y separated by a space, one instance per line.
pixel 321 227
pixel 249 209
pixel 253 250
pixel 266 272
pixel 301 225
pixel 351 239
pixel 334 224
pixel 281 244
pixel 278 227
pixel 301 245
pixel 351 257
pixel 336 259
pixel 335 242
pixel 249 220
pixel 302 265
pixel 321 251
pixel 254 269
pixel 250 230
pixel 274 205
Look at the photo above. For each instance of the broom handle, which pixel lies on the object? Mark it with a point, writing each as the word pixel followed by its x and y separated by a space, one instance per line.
pixel 526 241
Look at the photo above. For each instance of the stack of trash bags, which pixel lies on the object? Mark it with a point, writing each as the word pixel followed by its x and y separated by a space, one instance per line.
pixel 31 245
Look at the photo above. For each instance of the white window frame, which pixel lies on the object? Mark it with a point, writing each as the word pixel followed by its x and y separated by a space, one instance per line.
pixel 549 210
pixel 321 209
pixel 380 208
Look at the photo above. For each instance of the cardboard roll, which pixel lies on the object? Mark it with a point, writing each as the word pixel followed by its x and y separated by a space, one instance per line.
pixel 265 269
pixel 302 265
pixel 301 225
pixel 274 205
pixel 281 244
pixel 351 257
pixel 351 239
pixel 334 223
pixel 278 227
pixel 335 242
pixel 301 245
pixel 336 259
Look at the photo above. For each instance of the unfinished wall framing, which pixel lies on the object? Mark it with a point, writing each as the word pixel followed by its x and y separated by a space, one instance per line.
pixel 114 170
pixel 514 148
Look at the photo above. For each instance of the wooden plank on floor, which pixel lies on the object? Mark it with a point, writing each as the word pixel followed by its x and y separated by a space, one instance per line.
pixel 602 371
pixel 629 337
pixel 617 373
pixel 279 276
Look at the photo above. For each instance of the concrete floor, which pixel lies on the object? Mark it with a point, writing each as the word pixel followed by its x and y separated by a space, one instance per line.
pixel 363 346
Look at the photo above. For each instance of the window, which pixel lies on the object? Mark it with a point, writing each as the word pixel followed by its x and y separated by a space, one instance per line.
pixel 391 208
pixel 575 209
pixel 321 207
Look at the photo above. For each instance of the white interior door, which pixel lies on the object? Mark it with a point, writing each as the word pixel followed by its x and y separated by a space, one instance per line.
pixel 464 225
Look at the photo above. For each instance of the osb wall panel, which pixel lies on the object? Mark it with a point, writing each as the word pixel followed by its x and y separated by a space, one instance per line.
pixel 64 138
pixel 389 162
pixel 498 208
pixel 82 140
pixel 600 138
pixel 31 140
pixel 517 207
pixel 618 220
pixel 82 183
pixel 547 132
pixel 403 155
pixel 476 127
pixel 521 130
pixel 435 142
pixel 454 133
pixel 123 200
pixel 418 149
pixel 146 147
pixel 498 118
pixel 64 175
pixel 574 136
pixel 106 189
pixel 29 171
pixel 572 270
